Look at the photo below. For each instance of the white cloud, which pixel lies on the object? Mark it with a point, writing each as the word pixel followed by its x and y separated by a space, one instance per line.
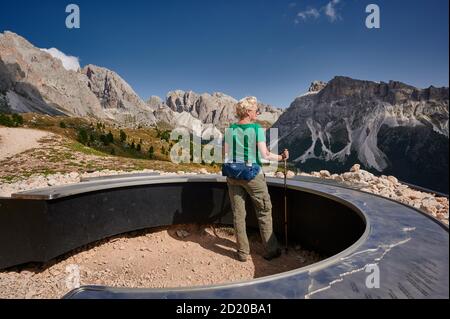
pixel 331 10
pixel 69 62
pixel 310 13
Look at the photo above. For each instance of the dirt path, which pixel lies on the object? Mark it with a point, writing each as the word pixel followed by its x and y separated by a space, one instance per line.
pixel 17 140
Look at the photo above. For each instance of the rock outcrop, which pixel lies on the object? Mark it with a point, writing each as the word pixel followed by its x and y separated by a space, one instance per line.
pixel 216 109
pixel 391 128
pixel 118 99
pixel 34 81
pixel 317 86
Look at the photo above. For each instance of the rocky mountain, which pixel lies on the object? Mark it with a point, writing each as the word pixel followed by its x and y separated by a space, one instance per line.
pixel 39 80
pixel 32 80
pixel 216 109
pixel 390 128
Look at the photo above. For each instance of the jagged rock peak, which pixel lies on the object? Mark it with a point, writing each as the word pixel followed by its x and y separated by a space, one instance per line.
pixel 317 86
pixel 155 102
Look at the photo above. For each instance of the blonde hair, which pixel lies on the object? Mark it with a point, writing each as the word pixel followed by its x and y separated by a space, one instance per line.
pixel 246 104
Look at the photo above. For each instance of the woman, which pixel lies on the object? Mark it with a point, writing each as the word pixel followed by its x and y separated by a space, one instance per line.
pixel 249 145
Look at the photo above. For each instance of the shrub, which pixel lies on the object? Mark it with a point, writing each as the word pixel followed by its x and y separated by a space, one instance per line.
pixel 165 136
pixel 62 124
pixel 123 136
pixel 5 120
pixel 14 120
pixel 17 119
pixel 151 152
pixel 82 136
pixel 104 140
pixel 110 137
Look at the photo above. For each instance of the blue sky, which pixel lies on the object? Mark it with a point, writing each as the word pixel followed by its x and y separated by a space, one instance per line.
pixel 269 49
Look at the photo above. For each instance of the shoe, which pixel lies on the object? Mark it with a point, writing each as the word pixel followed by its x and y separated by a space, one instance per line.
pixel 241 257
pixel 273 255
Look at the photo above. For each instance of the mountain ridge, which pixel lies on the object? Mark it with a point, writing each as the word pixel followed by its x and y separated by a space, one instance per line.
pixel 349 121
pixel 33 80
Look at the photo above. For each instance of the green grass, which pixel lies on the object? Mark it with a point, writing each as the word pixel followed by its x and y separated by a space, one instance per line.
pixel 122 158
pixel 78 147
pixel 9 178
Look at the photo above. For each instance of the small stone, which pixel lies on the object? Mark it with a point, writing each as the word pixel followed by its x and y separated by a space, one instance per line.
pixel 355 168
pixel 182 234
pixel 52 182
pixel 315 174
pixel 393 180
pixel 325 174
pixel 429 209
pixel 347 176
pixel 279 175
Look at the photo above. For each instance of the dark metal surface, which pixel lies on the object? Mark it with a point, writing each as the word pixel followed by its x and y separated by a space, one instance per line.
pixel 111 177
pixel 353 228
pixel 71 216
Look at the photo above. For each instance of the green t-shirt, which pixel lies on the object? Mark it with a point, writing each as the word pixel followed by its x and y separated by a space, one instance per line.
pixel 245 138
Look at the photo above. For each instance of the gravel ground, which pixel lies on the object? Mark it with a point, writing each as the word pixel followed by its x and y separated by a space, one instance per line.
pixel 17 140
pixel 178 256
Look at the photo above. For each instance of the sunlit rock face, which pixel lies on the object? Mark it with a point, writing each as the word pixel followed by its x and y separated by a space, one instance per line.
pixel 217 109
pixel 118 99
pixel 49 82
pixel 35 81
pixel 391 128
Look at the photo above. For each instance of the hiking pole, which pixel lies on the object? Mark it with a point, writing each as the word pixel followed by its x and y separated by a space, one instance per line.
pixel 285 205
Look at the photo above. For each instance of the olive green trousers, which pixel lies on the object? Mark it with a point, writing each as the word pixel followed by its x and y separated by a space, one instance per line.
pixel 259 194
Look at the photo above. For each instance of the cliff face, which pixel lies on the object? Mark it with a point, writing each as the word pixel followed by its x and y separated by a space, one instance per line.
pixel 390 128
pixel 34 81
pixel 117 98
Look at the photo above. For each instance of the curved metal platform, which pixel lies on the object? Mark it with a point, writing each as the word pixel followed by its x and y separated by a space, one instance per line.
pixel 354 229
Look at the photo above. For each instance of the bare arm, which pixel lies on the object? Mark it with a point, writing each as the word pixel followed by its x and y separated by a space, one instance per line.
pixel 267 155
